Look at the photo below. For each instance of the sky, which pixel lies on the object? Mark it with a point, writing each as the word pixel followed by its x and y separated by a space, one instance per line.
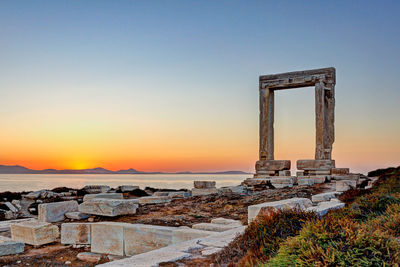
pixel 173 85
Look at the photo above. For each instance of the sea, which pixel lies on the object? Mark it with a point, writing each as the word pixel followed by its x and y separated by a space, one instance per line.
pixel 33 182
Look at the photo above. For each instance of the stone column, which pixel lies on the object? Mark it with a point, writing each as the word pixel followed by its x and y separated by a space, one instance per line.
pixel 329 114
pixel 266 124
pixel 319 120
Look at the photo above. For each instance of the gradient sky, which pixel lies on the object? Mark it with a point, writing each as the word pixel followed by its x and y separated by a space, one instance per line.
pixel 173 85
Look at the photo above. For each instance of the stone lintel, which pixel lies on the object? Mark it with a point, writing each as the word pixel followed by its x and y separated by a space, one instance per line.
pixel 315 164
pixel 272 165
pixel 297 79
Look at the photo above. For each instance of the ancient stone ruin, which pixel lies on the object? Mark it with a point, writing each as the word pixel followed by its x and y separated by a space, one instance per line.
pixel 310 171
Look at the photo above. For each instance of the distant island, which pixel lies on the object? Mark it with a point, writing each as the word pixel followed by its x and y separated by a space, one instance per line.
pixel 6 169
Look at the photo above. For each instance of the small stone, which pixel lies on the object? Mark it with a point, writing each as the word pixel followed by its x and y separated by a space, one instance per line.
pixel 89 257
pixel 67 262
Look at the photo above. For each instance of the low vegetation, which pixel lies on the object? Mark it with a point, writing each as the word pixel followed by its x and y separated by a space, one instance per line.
pixel 365 233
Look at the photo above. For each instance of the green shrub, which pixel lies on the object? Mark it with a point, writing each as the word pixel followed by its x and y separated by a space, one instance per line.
pixel 263 237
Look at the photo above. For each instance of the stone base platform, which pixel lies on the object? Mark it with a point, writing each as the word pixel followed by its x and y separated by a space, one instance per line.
pixel 315 164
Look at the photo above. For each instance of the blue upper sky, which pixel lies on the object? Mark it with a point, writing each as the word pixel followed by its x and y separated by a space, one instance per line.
pixel 195 64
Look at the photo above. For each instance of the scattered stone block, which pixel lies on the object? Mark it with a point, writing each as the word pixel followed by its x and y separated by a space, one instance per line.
pixel 35 194
pixel 109 207
pixel 300 173
pixel 154 200
pixel 225 221
pixel 214 227
pixel 232 189
pixel 272 165
pixel 284 173
pixel 34 233
pixel 75 233
pixel 325 196
pixel 10 247
pixel 127 188
pixel 5 225
pixel 317 164
pixel 76 215
pixel 340 171
pixel 206 191
pixel 96 189
pixel 140 238
pixel 179 194
pixel 89 257
pixel 323 207
pixel 344 185
pixel 103 195
pixel 292 203
pixel 319 179
pixel 305 181
pixel 54 212
pixel 281 182
pixel 108 238
pixel 183 234
pixel 204 184
pixel 11 207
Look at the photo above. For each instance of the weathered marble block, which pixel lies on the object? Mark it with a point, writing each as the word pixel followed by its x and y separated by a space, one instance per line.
pixel 54 212
pixel 344 185
pixel 10 247
pixel 76 215
pixel 34 233
pixel 95 189
pixel 184 233
pixel 215 227
pixel 315 164
pixel 205 191
pixel 103 195
pixel 127 188
pixel 204 184
pixel 305 180
pixel 75 233
pixel 325 196
pixel 109 207
pixel 284 173
pixel 140 238
pixel 154 200
pixel 340 171
pixel 108 238
pixel 323 207
pixel 292 203
pixel 273 165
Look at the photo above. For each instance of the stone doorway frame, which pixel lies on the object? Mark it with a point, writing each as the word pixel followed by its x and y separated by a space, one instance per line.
pixel 324 81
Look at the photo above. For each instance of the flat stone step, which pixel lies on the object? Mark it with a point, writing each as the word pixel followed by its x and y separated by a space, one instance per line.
pixel 214 227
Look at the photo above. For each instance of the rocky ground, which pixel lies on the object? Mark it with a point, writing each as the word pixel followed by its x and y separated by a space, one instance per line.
pixel 179 212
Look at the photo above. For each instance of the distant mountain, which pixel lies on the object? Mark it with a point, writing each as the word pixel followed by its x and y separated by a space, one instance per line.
pixel 4 169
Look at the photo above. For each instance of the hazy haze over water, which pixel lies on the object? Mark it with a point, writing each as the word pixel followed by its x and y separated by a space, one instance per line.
pixel 31 182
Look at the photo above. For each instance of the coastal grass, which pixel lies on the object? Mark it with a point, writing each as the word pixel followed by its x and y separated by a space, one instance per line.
pixel 364 233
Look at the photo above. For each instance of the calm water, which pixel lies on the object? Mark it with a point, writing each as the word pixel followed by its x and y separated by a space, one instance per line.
pixel 30 182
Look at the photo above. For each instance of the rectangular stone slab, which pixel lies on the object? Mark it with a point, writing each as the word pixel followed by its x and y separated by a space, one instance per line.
pixel 54 212
pixel 301 203
pixel 316 165
pixel 10 247
pixel 109 207
pixel 140 238
pixel 205 191
pixel 340 171
pixel 183 234
pixel 34 233
pixel 75 233
pixel 273 165
pixel 107 238
pixel 103 195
